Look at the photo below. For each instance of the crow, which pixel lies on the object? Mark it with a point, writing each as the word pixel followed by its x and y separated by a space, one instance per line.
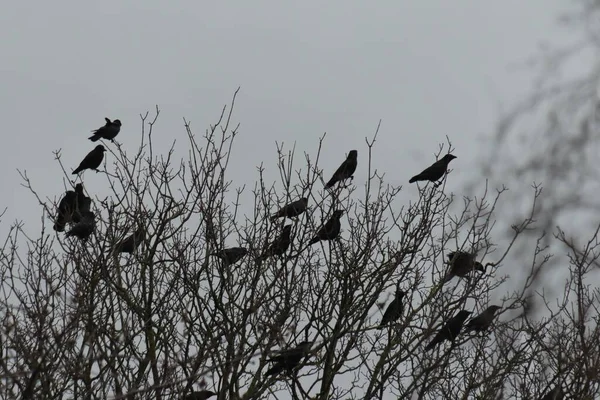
pixel 201 395
pixel 483 321
pixel 450 329
pixel 278 246
pixel 394 310
pixel 230 256
pixel 346 170
pixel 292 209
pixel 66 208
pixel 83 203
pixel 92 160
pixel 330 230
pixel 85 227
pixel 461 263
pixel 289 359
pixel 555 394
pixel 435 171
pixel 130 243
pixel 109 131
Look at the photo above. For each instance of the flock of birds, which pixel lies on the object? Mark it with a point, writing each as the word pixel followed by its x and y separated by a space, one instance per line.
pixel 74 209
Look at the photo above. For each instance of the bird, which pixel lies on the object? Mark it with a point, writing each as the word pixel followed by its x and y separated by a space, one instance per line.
pixel 64 213
pixel 330 230
pixel 232 255
pixel 109 131
pixel 82 203
pixel 289 359
pixel 461 263
pixel 85 227
pixel 92 160
pixel 292 209
pixel 345 171
pixel 450 329
pixel 200 395
pixel 278 246
pixel 130 243
pixel 555 394
pixel 435 171
pixel 483 321
pixel 394 309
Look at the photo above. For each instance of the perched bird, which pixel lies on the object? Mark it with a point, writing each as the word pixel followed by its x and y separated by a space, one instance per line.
pixel 555 394
pixel 278 246
pixel 232 255
pixel 435 171
pixel 66 208
pixel 345 171
pixel 292 209
pixel 394 310
pixel 85 227
pixel 109 131
pixel 330 230
pixel 289 359
pixel 83 203
pixel 130 243
pixel 450 329
pixel 92 160
pixel 461 263
pixel 483 321
pixel 200 395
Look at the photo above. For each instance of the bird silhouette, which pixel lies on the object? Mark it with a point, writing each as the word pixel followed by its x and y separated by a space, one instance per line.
pixel 483 321
pixel 394 309
pixel 461 264
pixel 109 131
pixel 85 227
pixel 279 246
pixel 130 243
pixel 231 256
pixel 345 171
pixel 292 209
pixel 199 395
pixel 330 230
pixel 450 329
pixel 289 359
pixel 82 203
pixel 435 171
pixel 92 160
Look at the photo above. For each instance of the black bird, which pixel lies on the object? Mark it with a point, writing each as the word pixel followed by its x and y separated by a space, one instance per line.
pixel 394 310
pixel 450 329
pixel 232 255
pixel 461 264
pixel 292 209
pixel 92 160
pixel 346 170
pixel 85 227
pixel 330 230
pixel 83 203
pixel 130 243
pixel 435 171
pixel 200 395
pixel 555 394
pixel 483 321
pixel 289 359
pixel 278 246
pixel 66 208
pixel 109 131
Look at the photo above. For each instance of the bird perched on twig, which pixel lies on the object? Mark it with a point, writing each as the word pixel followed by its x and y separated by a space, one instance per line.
pixel 450 329
pixel 109 131
pixel 231 256
pixel 85 227
pixel 461 264
pixel 65 211
pixel 92 160
pixel 82 203
pixel 199 395
pixel 330 230
pixel 346 170
pixel 279 246
pixel 394 309
pixel 289 359
pixel 130 243
pixel 435 171
pixel 483 321
pixel 292 209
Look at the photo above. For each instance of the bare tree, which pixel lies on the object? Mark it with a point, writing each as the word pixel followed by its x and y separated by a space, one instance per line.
pixel 150 306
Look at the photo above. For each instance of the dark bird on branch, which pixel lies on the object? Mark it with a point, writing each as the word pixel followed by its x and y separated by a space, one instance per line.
pixel 394 309
pixel 345 171
pixel 292 209
pixel 450 329
pixel 92 160
pixel 289 359
pixel 231 256
pixel 435 171
pixel 555 394
pixel 85 227
pixel 279 246
pixel 483 321
pixel 109 131
pixel 83 203
pixel 330 230
pixel 71 207
pixel 461 264
pixel 130 243
pixel 200 395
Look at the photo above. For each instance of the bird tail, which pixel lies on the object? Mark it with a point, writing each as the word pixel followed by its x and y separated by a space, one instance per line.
pixel 414 179
pixel 448 277
pixel 431 345
pixel 78 170
pixel 313 241
pixel 94 138
pixel 331 182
